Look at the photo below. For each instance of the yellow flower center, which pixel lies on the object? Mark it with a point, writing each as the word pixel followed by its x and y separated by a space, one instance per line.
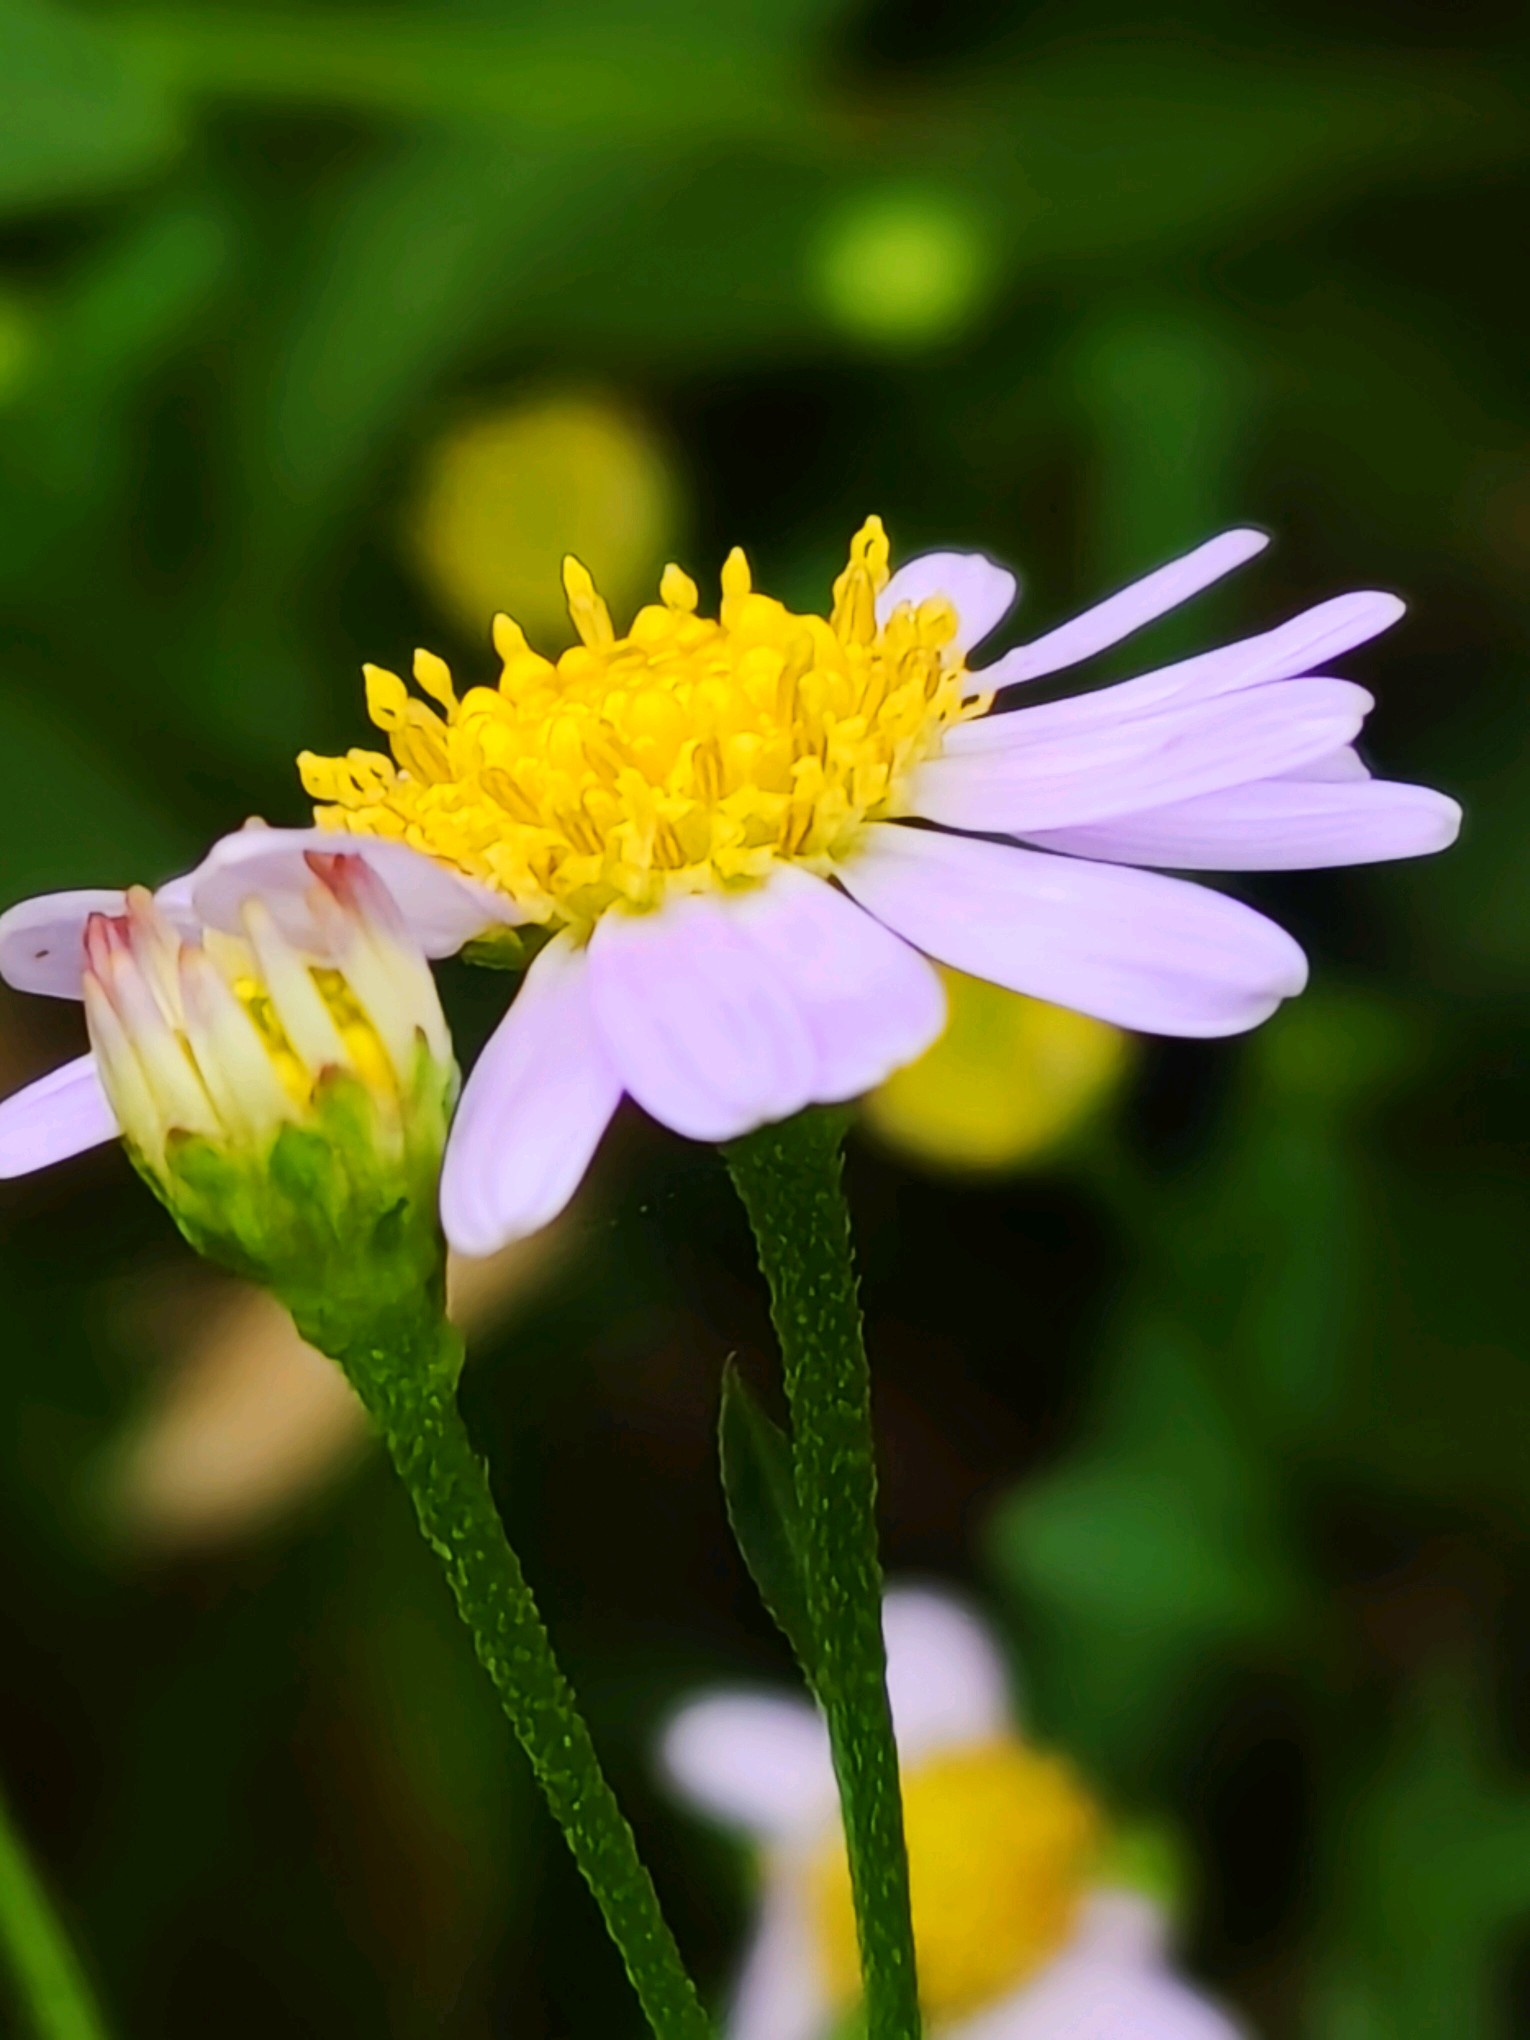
pixel 1001 1840
pixel 368 1055
pixel 690 753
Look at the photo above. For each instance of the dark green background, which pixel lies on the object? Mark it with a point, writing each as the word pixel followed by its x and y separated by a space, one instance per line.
pixel 1226 1414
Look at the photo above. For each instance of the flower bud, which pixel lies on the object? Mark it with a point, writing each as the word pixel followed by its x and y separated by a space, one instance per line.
pixel 285 1094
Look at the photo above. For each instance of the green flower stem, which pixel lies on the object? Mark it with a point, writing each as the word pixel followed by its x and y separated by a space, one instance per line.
pixel 48 1978
pixel 789 1177
pixel 407 1376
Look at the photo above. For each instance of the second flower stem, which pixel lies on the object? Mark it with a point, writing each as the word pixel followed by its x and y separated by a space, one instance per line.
pixel 407 1379
pixel 49 1979
pixel 789 1177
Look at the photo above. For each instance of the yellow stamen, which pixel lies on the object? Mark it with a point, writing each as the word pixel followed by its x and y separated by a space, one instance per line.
pixel 690 753
pixel 1000 1843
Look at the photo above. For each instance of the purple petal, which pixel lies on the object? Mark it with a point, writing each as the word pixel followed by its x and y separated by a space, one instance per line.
pixel 980 591
pixel 42 940
pixel 1342 765
pixel 443 907
pixel 1275 825
pixel 780 1994
pixel 870 1002
pixel 700 1026
pixel 754 1761
pixel 60 1115
pixel 1076 1998
pixel 1288 652
pixel 1121 614
pixel 945 1678
pixel 1099 771
pixel 1131 947
pixel 532 1113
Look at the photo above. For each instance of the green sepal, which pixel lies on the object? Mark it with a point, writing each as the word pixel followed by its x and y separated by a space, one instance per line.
pixel 761 1499
pixel 336 1214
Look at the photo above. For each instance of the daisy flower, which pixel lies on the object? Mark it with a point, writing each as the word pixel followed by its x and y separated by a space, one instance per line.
pixel 739 842
pixel 1019 1935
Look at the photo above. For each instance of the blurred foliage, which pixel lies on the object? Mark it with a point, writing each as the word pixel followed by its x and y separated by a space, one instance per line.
pixel 1229 1398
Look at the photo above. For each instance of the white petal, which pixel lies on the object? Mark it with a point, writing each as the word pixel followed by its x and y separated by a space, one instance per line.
pixel 60 1115
pixel 1128 610
pixel 980 591
pixel 698 1023
pixel 754 1761
pixel 532 1113
pixel 1104 770
pixel 42 941
pixel 1131 947
pixel 1076 1999
pixel 945 1678
pixel 1291 651
pixel 444 909
pixel 1274 825
pixel 870 1002
pixel 780 1995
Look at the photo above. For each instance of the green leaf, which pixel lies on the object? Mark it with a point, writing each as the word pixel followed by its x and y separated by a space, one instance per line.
pixel 82 115
pixel 762 1508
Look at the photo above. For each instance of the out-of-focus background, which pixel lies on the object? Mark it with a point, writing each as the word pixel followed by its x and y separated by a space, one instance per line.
pixel 324 330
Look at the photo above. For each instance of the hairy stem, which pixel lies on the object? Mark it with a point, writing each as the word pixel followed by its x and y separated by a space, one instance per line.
pixel 407 1379
pixel 789 1177
pixel 49 1981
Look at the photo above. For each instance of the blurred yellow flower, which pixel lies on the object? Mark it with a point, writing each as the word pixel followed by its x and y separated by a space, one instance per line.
pixel 510 490
pixel 1009 1080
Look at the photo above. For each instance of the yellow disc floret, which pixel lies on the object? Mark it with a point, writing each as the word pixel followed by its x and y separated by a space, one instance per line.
pixel 1001 1840
pixel 690 753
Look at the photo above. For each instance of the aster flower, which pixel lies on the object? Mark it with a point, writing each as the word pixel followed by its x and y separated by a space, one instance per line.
pixel 1019 1932
pixel 739 842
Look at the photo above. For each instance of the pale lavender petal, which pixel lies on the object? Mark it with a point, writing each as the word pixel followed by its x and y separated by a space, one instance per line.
pixel 1121 1926
pixel 980 591
pixel 1127 611
pixel 42 940
pixel 1132 947
pixel 945 1679
pixel 1341 765
pixel 444 908
pixel 1290 651
pixel 870 1002
pixel 780 1994
pixel 1119 769
pixel 532 1113
pixel 698 1023
pixel 62 1114
pixel 1273 825
pixel 754 1761
pixel 1078 1999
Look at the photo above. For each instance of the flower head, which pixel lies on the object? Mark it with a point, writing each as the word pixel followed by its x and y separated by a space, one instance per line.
pixel 743 839
pixel 1020 1931
pixel 692 754
pixel 288 1103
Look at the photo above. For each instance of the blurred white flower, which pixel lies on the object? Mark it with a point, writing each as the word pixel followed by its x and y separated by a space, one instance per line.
pixel 1020 1935
pixel 247 1424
